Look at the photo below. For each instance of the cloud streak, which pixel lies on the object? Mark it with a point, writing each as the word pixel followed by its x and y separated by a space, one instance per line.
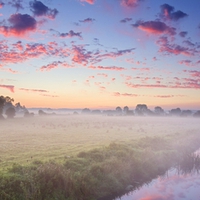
pixel 8 87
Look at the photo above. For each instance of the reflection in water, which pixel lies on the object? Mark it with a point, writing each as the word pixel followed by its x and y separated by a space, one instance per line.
pixel 181 183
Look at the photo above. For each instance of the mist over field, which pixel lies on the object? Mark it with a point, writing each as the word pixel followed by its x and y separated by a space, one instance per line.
pixel 56 137
pixel 91 154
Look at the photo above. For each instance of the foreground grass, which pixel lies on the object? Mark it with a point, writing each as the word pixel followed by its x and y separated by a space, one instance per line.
pixel 98 173
pixel 57 137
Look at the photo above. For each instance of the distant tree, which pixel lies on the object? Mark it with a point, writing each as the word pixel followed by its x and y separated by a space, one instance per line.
pixel 20 108
pixel 96 112
pixel 149 112
pixel 109 112
pixel 75 113
pixel 159 111
pixel 41 112
pixel 10 112
pixel 28 114
pixel 126 110
pixel 186 113
pixel 4 101
pixel 118 110
pixel 175 112
pixel 197 114
pixel 130 112
pixel 141 109
pixel 86 111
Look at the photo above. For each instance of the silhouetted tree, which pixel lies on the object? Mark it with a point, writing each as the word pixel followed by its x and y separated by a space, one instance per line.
pixel 159 111
pixel 28 114
pixel 3 101
pixel 126 110
pixel 20 108
pixel 186 113
pixel 96 112
pixel 86 111
pixel 197 114
pixel 41 112
pixel 141 109
pixel 149 112
pixel 176 111
pixel 10 112
pixel 118 110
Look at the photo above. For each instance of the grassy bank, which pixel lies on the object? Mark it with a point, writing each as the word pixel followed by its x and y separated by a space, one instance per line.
pixel 98 173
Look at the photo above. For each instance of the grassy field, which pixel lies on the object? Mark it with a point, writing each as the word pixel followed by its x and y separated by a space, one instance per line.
pixel 89 157
pixel 23 140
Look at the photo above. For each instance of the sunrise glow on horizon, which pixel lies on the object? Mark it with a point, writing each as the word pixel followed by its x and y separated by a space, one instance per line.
pixel 100 53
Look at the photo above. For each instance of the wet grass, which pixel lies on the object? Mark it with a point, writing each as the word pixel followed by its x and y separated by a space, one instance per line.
pixel 99 173
pixel 76 158
pixel 46 138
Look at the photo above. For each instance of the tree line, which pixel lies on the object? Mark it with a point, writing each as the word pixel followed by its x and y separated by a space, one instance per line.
pixel 9 109
pixel 143 110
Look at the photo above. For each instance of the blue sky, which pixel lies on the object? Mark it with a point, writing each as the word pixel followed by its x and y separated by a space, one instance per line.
pixel 100 53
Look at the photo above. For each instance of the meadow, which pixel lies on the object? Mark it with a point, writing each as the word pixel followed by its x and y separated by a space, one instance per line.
pixel 89 157
pixel 57 137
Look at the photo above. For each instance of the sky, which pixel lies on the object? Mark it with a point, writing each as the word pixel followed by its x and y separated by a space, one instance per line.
pixel 100 54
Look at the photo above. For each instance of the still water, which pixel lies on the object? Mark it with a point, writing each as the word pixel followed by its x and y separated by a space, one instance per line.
pixel 176 184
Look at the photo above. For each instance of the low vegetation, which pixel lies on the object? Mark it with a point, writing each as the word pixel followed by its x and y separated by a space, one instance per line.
pixel 101 173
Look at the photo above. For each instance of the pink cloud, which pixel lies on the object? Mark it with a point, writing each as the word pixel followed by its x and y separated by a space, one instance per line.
pixel 129 3
pixel 154 27
pixel 164 96
pixel 114 68
pixel 18 52
pixel 185 62
pixel 103 74
pixel 158 197
pixel 47 95
pixel 33 90
pixel 184 85
pixel 167 13
pixel 193 73
pixel 39 9
pixel 166 47
pixel 21 24
pixel 1 4
pixel 88 1
pixel 80 55
pixel 69 34
pixel 8 87
pixel 118 94
pixel 54 65
pixel 141 69
pixel 87 20
pixel 9 70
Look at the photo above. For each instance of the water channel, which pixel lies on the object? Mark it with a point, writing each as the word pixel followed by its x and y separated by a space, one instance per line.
pixel 181 183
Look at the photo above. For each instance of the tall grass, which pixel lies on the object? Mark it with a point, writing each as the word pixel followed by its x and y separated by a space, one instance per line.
pixel 98 173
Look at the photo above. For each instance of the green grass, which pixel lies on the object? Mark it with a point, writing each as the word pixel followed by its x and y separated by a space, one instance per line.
pixel 84 159
pixel 46 138
pixel 98 173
